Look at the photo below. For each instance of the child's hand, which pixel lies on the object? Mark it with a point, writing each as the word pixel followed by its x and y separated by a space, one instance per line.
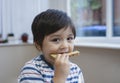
pixel 62 68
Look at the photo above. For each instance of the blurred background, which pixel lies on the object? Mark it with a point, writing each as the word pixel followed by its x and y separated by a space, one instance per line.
pixel 98 36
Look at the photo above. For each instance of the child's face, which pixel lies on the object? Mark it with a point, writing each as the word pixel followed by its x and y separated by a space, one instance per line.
pixel 61 41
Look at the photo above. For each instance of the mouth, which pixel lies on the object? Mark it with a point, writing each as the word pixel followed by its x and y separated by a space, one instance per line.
pixel 61 53
pixel 69 54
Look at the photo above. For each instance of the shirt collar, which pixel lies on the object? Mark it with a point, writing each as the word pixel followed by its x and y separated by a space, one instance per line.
pixel 50 65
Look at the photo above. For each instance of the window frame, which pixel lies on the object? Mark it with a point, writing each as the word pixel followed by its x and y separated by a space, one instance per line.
pixel 108 39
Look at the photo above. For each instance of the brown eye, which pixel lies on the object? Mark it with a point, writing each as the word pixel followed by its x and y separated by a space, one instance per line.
pixel 56 40
pixel 70 38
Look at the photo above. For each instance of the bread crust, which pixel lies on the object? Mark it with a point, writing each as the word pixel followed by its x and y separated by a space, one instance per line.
pixel 74 53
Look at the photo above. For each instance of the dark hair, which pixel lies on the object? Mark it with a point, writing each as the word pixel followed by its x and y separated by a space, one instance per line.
pixel 49 22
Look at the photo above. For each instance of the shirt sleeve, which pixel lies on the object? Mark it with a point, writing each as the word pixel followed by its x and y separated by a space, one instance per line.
pixel 81 79
pixel 30 74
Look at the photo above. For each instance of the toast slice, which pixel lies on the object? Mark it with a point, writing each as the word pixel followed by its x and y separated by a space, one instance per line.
pixel 74 53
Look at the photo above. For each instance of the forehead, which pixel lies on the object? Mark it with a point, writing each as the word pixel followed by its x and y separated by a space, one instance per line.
pixel 63 31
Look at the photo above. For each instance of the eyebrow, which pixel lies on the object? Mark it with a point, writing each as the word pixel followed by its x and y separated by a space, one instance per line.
pixel 54 35
pixel 60 35
pixel 71 35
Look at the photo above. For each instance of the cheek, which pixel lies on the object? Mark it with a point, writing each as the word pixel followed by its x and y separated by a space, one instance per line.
pixel 53 48
pixel 50 48
pixel 71 47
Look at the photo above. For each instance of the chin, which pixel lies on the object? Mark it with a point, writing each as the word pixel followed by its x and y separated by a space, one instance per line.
pixel 51 61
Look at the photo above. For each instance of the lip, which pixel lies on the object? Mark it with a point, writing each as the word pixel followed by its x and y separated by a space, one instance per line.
pixel 63 52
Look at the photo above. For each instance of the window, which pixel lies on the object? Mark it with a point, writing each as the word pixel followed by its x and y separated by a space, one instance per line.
pixel 89 17
pixel 116 21
pixel 96 20
pixel 16 16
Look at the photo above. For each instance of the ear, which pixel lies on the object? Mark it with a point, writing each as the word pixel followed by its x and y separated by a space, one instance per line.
pixel 37 46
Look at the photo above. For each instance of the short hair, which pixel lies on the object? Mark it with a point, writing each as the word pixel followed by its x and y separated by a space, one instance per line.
pixel 48 22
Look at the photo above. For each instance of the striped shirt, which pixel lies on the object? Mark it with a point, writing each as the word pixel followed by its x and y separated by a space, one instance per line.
pixel 38 70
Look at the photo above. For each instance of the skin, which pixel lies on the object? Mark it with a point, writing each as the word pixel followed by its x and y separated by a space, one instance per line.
pixel 60 42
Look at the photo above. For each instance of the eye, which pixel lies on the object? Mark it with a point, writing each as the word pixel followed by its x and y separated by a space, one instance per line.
pixel 70 38
pixel 56 40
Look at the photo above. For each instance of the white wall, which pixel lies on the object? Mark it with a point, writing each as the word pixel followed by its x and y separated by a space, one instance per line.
pixel 12 58
pixel 98 65
pixel 58 4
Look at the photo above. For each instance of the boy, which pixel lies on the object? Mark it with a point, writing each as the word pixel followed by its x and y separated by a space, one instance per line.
pixel 53 33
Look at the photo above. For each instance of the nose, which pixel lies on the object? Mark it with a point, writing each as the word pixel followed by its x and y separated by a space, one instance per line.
pixel 64 45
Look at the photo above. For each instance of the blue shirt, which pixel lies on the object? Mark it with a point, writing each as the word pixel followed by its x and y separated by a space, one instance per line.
pixel 38 70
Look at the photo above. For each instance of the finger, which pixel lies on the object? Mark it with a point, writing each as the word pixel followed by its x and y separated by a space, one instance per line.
pixel 62 58
pixel 66 58
pixel 58 57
